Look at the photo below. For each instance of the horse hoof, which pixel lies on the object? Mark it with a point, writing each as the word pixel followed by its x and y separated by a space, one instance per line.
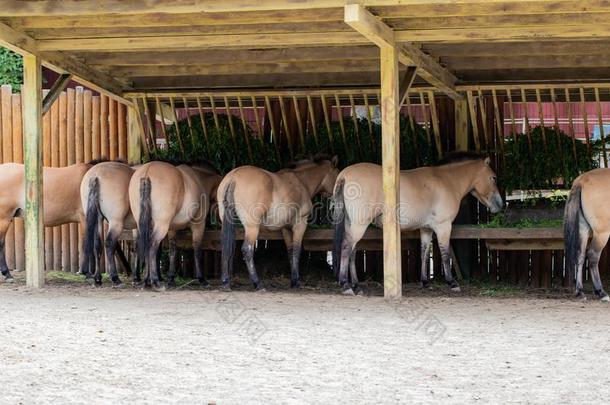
pixel 605 298
pixel 295 284
pixel 204 283
pixel 119 286
pixel 225 288
pixel 426 285
pixel 360 292
pixel 581 296
pixel 456 289
pixel 159 288
pixel 348 291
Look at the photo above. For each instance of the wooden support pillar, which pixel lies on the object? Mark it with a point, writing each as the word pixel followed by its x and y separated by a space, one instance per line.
pixel 135 134
pixel 392 274
pixel 32 134
pixel 461 125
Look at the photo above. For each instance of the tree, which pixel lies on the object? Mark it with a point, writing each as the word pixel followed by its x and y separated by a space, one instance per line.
pixel 11 68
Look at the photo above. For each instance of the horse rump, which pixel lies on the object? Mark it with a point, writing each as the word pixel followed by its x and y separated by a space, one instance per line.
pixel 92 215
pixel 145 220
pixel 571 229
pixel 338 213
pixel 228 233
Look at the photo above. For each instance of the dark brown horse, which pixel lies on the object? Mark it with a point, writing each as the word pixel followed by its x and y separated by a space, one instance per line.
pixel 429 201
pixel 281 200
pixel 166 198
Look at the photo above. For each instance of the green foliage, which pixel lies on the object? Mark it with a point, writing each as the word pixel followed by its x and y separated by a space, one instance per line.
pixel 540 165
pixel 220 148
pixel 11 68
pixel 364 145
pixel 225 153
pixel 499 221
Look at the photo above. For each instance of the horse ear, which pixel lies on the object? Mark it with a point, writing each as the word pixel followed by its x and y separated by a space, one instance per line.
pixel 335 161
pixel 487 161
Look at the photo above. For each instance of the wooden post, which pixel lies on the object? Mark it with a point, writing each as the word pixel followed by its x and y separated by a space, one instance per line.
pixel 390 152
pixel 32 129
pixel 461 125
pixel 134 135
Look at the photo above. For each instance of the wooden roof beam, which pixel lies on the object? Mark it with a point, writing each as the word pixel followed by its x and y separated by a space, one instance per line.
pixel 380 34
pixel 25 45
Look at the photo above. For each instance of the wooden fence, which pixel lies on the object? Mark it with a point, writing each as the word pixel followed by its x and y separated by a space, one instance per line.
pixel 79 127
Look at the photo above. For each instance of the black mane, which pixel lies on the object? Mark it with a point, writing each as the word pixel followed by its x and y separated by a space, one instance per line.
pixel 462 156
pixel 103 159
pixel 319 157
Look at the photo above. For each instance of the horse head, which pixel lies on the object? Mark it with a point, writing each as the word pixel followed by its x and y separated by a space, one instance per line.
pixel 485 188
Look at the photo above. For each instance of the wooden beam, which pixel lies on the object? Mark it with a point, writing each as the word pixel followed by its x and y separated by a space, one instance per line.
pixel 32 134
pixel 228 56
pixel 390 152
pixel 204 41
pixel 380 34
pixel 534 61
pixel 247 68
pixel 405 83
pixel 61 63
pixel 135 135
pixel 461 125
pixel 60 85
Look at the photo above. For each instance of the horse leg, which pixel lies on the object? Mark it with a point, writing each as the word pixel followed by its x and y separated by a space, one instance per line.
pixel 584 240
pixel 443 235
pixel 3 266
pixel 171 273
pixel 425 235
pixel 197 231
pixel 153 264
pixel 247 249
pixel 354 274
pixel 114 230
pixel 595 250
pixel 287 235
pixel 298 230
pixel 352 235
pixel 96 264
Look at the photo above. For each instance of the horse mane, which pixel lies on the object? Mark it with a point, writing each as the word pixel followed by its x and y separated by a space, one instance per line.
pixel 319 157
pixel 104 159
pixel 461 156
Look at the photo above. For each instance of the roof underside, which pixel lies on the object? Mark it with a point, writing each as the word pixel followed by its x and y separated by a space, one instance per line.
pixel 160 45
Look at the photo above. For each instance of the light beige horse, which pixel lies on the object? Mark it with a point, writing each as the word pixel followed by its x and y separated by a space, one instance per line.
pixel 586 213
pixel 429 201
pixel 164 199
pixel 281 200
pixel 61 198
pixel 104 194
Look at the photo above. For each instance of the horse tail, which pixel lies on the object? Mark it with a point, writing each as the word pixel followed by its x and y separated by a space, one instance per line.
pixel 145 220
pixel 91 223
pixel 228 231
pixel 339 223
pixel 571 229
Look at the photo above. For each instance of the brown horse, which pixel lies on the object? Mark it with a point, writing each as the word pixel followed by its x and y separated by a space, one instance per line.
pixel 166 198
pixel 585 214
pixel 104 195
pixel 61 198
pixel 429 201
pixel 274 201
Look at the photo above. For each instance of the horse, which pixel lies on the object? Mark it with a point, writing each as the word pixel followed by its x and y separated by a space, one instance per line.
pixel 104 195
pixel 585 214
pixel 280 200
pixel 61 198
pixel 165 198
pixel 429 201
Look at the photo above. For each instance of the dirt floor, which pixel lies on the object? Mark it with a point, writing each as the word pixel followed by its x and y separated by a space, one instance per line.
pixel 70 343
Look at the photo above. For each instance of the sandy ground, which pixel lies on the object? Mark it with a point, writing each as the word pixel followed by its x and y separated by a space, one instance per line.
pixel 82 345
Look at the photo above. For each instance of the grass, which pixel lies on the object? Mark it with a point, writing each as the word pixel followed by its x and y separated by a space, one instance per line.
pixel 500 291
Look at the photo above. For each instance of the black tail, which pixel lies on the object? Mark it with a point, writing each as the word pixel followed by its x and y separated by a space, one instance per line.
pixel 571 230
pixel 228 232
pixel 339 223
pixel 91 223
pixel 145 220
